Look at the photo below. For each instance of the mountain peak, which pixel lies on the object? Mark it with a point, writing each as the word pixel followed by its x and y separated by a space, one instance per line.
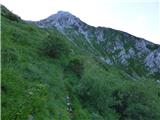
pixel 64 13
pixel 60 20
pixel 61 15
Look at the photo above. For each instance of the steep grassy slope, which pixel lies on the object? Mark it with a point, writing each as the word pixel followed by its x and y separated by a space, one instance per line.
pixel 32 83
pixel 46 77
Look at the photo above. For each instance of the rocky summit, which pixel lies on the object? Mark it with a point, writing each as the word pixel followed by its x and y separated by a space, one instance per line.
pixel 111 46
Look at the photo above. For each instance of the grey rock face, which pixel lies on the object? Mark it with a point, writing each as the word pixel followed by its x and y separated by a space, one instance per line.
pixel 60 20
pixel 99 34
pixel 106 60
pixel 141 45
pixel 30 117
pixel 118 45
pixel 131 52
pixel 152 61
pixel 158 81
pixel 123 57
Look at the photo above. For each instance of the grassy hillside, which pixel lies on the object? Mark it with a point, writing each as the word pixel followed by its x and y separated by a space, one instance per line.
pixel 46 77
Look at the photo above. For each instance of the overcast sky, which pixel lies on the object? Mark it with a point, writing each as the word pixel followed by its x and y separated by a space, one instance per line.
pixel 138 17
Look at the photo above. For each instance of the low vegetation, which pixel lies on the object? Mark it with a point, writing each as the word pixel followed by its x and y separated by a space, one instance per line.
pixel 55 45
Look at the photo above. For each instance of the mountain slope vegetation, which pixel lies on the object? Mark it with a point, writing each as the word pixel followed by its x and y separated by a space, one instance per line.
pixel 45 76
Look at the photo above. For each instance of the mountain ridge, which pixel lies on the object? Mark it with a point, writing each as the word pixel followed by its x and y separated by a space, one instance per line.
pixel 105 41
pixel 62 13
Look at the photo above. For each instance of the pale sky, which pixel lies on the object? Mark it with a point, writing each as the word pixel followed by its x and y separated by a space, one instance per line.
pixel 138 17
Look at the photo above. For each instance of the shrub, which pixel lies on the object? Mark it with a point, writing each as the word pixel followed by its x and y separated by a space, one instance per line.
pixel 76 66
pixel 113 96
pixel 8 56
pixel 152 47
pixel 132 101
pixel 55 46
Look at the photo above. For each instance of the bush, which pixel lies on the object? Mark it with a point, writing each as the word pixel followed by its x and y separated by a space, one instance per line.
pixel 134 102
pixel 55 46
pixel 76 66
pixel 113 96
pixel 8 56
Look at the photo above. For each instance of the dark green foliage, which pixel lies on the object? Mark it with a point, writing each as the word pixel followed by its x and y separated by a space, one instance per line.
pixel 55 46
pixel 116 97
pixel 136 68
pixel 133 102
pixel 152 47
pixel 8 56
pixel 76 66
pixel 6 13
